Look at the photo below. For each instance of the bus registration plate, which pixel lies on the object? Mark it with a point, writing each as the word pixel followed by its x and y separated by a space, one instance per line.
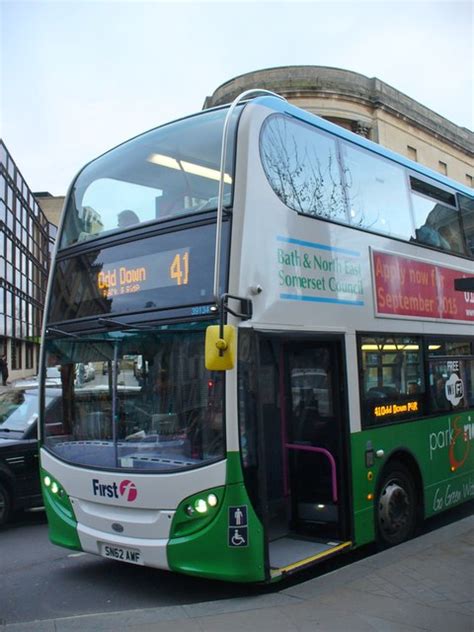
pixel 121 553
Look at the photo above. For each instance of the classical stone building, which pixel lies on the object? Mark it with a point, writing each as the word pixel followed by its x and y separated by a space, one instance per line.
pixel 370 107
pixel 51 205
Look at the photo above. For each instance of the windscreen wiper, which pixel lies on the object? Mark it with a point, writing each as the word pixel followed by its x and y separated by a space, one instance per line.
pixel 62 332
pixel 119 323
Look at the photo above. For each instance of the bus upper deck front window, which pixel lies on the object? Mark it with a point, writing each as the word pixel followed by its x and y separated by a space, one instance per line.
pixel 170 171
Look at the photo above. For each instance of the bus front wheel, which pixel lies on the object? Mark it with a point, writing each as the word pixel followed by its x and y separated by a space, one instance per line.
pixel 395 510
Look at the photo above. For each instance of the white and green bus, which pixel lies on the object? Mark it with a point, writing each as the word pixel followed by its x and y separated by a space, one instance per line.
pixel 264 360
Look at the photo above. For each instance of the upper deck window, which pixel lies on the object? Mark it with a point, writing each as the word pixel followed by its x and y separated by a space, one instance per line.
pixel 303 167
pixel 437 221
pixel 172 170
pixel 327 177
pixel 311 175
pixel 467 213
pixel 376 193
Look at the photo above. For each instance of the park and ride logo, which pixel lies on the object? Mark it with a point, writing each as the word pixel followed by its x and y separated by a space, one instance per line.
pixel 126 490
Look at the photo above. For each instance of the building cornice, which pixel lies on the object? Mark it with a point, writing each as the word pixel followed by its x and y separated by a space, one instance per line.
pixel 304 82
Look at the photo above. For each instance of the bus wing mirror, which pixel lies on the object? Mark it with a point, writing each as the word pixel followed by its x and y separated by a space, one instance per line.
pixel 220 349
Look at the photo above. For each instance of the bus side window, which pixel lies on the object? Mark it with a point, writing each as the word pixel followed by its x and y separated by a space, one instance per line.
pixel 392 379
pixel 467 217
pixel 437 219
pixel 451 384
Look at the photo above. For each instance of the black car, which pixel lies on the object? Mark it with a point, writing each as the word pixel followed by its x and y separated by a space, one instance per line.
pixel 19 468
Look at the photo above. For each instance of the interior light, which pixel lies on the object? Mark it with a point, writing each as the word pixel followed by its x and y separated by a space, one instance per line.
pixel 200 505
pixel 320 506
pixel 205 172
pixel 164 161
pixel 401 347
pixel 434 347
pixel 54 487
pixel 212 500
pixel 188 167
pixel 47 481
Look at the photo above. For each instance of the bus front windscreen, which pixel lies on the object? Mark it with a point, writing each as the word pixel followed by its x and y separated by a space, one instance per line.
pixel 137 401
pixel 170 171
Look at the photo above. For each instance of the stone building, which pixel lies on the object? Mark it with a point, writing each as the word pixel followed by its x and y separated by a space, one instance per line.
pixel 51 205
pixel 369 107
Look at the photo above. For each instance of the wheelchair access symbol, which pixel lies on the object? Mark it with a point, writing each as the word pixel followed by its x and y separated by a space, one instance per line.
pixel 238 535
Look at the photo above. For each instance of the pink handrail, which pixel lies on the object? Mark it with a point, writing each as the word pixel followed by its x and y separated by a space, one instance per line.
pixel 327 454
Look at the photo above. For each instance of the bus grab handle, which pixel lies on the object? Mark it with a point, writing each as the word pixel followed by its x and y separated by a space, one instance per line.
pixel 327 454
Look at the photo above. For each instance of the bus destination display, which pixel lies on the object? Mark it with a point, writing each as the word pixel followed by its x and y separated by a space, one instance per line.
pixel 158 272
pixel 146 272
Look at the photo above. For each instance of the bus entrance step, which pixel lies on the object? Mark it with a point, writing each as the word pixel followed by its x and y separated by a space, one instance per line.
pixel 318 512
pixel 289 554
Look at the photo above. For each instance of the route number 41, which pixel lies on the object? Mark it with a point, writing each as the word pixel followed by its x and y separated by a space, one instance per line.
pixel 179 268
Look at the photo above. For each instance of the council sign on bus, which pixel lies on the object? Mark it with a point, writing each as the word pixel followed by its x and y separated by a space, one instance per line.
pixel 418 289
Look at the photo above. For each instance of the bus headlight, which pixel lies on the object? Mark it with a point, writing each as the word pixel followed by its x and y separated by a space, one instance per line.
pixel 212 500
pixel 197 511
pixel 200 505
pixel 47 481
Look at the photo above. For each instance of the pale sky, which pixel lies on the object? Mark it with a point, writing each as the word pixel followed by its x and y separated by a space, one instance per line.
pixel 79 77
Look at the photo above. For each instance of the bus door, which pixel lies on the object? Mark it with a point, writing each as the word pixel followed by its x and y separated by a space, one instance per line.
pixel 301 409
pixel 313 435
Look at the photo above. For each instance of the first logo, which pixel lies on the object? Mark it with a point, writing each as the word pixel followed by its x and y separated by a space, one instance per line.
pixel 129 490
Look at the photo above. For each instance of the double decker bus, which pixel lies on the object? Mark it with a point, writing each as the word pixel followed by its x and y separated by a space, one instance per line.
pixel 279 366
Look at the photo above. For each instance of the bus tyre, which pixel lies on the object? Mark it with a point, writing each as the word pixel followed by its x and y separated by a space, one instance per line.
pixel 5 505
pixel 395 509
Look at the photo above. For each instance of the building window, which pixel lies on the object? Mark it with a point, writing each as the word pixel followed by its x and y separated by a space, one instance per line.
pixel 469 180
pixel 443 167
pixel 16 355
pixel 412 153
pixel 30 351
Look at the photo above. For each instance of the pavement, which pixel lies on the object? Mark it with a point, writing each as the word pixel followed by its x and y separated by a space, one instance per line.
pixel 424 584
pixel 18 383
